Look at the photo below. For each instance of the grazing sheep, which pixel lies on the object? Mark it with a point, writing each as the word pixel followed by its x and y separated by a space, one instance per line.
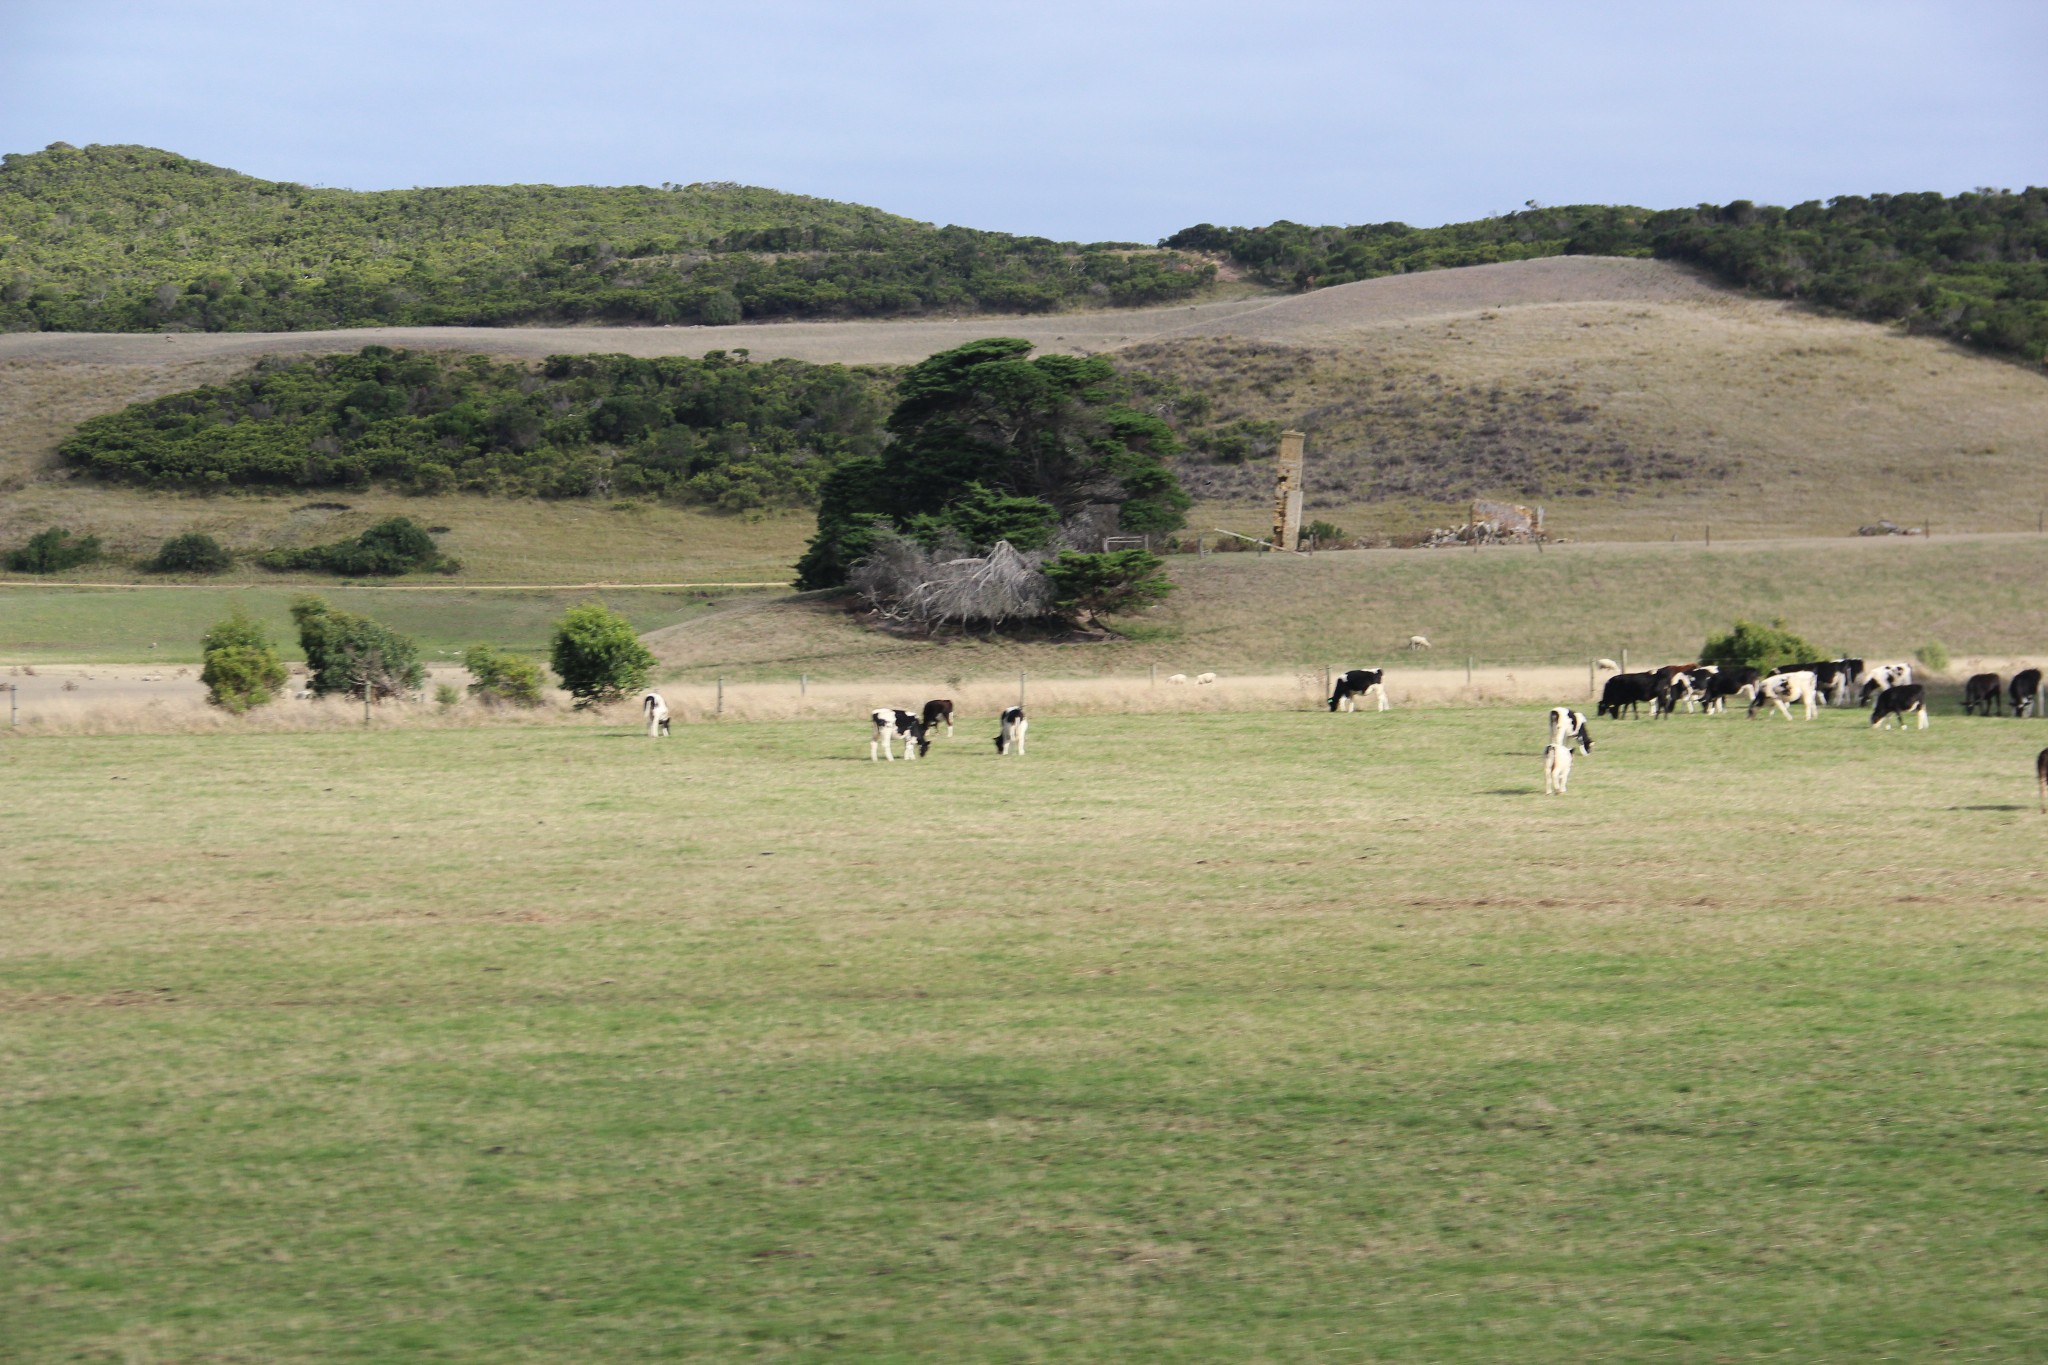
pixel 1418 642
pixel 1557 769
pixel 1607 664
pixel 1178 679
pixel 1205 678
pixel 657 714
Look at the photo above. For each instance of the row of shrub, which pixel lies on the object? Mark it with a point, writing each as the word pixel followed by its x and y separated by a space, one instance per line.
pixel 398 545
pixel 596 655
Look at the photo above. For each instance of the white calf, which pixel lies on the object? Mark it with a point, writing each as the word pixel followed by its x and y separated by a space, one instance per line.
pixel 1205 677
pixel 1557 769
pixel 898 724
pixel 1782 688
pixel 657 714
pixel 1011 740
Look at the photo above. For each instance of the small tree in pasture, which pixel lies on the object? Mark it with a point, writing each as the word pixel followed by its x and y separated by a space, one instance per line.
pixel 598 656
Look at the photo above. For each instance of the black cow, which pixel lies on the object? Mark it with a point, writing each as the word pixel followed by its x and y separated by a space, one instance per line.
pixel 1728 682
pixel 1355 683
pixel 1984 691
pixel 2026 692
pixel 937 711
pixel 1630 690
pixel 2041 777
pixel 1907 699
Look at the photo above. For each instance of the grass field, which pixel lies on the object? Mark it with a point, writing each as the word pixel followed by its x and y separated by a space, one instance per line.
pixel 164 625
pixel 1191 1038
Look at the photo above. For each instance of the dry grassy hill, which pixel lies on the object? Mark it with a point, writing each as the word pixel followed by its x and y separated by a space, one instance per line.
pixel 1633 398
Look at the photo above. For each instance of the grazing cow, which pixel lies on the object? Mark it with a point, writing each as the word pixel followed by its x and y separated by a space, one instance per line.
pixel 1908 700
pixel 1418 642
pixel 891 725
pixel 1568 727
pixel 1178 679
pixel 1355 683
pixel 1677 689
pixel 1732 681
pixel 1831 676
pixel 657 714
pixel 1557 769
pixel 1011 740
pixel 1201 678
pixel 1878 677
pixel 940 710
pixel 1780 689
pixel 2041 777
pixel 1630 690
pixel 2026 692
pixel 1985 692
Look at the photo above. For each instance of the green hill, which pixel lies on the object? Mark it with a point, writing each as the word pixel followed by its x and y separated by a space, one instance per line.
pixel 125 238
pixel 1973 267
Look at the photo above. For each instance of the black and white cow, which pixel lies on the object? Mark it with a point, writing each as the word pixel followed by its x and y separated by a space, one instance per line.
pixel 1557 769
pixel 1731 681
pixel 1011 740
pixel 937 711
pixel 2026 692
pixel 890 725
pixel 1831 677
pixel 1630 690
pixel 657 714
pixel 1783 690
pixel 1568 727
pixel 1878 677
pixel 1355 683
pixel 1984 692
pixel 1908 699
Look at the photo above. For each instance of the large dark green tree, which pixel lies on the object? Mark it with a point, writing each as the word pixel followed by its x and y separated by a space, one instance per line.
pixel 990 443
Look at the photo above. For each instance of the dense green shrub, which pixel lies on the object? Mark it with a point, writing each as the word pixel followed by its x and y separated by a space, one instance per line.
pixel 124 238
pixel 502 678
pixel 241 667
pixel 194 552
pixel 1122 580
pixel 1764 647
pixel 598 655
pixel 354 655
pixel 988 442
pixel 1934 655
pixel 54 551
pixel 396 546
pixel 1973 267
pixel 720 432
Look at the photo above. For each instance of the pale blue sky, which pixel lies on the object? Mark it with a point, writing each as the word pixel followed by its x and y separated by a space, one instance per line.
pixel 1095 121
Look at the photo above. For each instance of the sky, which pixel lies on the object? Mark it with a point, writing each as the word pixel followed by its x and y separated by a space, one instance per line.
pixel 1118 120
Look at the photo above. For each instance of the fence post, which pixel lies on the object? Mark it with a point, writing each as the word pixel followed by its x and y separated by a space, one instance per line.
pixel 13 705
pixel 1624 658
pixel 1155 675
pixel 803 684
pixel 721 695
pixel 1020 690
pixel 1592 680
pixel 1468 670
pixel 1710 535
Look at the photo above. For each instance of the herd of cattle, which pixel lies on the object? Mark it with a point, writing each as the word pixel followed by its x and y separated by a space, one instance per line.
pixel 1887 688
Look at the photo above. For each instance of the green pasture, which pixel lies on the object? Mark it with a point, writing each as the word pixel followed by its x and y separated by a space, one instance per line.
pixel 164 625
pixel 1183 1039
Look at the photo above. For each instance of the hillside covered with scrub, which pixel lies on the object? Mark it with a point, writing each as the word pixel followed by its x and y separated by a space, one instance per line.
pixel 125 238
pixel 1973 268
pixel 720 432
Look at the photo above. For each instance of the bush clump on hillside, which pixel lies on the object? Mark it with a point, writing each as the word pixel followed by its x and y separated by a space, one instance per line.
pixel 353 655
pixel 502 678
pixel 1764 647
pixel 235 253
pixel 598 655
pixel 719 432
pixel 194 552
pixel 54 551
pixel 397 546
pixel 241 667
